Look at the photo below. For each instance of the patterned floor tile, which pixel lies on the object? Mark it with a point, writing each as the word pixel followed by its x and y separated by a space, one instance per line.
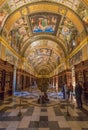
pixel 66 129
pixel 57 111
pixel 11 128
pixel 43 129
pixel 84 128
pixel 11 118
pixel 2 128
pixel 27 129
pixel 34 124
pixel 43 124
pixel 43 110
pixel 53 125
pixel 43 118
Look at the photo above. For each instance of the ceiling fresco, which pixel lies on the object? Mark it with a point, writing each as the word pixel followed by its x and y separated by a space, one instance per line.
pixel 44 32
pixel 43 54
pixel 44 22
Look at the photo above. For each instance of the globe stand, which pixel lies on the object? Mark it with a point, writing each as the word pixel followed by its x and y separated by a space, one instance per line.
pixel 19 113
pixel 68 114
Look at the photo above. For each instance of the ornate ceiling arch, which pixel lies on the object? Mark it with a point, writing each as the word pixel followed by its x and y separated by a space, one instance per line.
pixel 45 38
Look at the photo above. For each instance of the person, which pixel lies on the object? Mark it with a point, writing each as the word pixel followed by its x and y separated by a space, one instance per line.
pixel 46 97
pixel 78 94
pixel 39 99
pixel 64 91
pixel 70 91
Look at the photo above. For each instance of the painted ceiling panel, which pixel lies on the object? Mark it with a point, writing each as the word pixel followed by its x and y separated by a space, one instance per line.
pixel 40 56
pixel 44 32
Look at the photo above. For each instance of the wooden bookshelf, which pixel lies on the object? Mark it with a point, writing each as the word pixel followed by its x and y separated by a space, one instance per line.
pixel 64 77
pixel 81 74
pixel 1 85
pixel 6 79
pixel 23 80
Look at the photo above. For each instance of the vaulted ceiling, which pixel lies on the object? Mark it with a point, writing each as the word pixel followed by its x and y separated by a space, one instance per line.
pixel 44 32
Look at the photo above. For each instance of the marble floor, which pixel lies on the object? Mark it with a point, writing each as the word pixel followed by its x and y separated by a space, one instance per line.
pixel 58 116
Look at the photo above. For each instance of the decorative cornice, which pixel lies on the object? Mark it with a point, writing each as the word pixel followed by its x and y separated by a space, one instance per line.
pixel 81 45
pixel 3 42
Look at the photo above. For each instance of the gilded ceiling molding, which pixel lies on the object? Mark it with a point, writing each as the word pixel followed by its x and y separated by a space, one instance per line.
pixel 81 45
pixel 46 6
pixel 12 19
pixel 3 42
pixel 1 2
pixel 75 20
pixel 85 2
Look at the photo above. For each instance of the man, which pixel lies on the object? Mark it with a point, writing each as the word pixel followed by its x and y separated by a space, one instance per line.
pixel 78 94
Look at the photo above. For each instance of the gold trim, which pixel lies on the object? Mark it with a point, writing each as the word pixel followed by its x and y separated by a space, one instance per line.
pixel 75 20
pixel 9 47
pixel 1 2
pixel 44 37
pixel 86 2
pixel 44 7
pixel 82 44
pixel 12 19
pixel 24 11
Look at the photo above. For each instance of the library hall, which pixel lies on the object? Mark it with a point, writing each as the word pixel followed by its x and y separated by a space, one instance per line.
pixel 43 64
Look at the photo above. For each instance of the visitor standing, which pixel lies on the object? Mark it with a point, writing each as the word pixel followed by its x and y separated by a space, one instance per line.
pixel 64 91
pixel 70 89
pixel 78 94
